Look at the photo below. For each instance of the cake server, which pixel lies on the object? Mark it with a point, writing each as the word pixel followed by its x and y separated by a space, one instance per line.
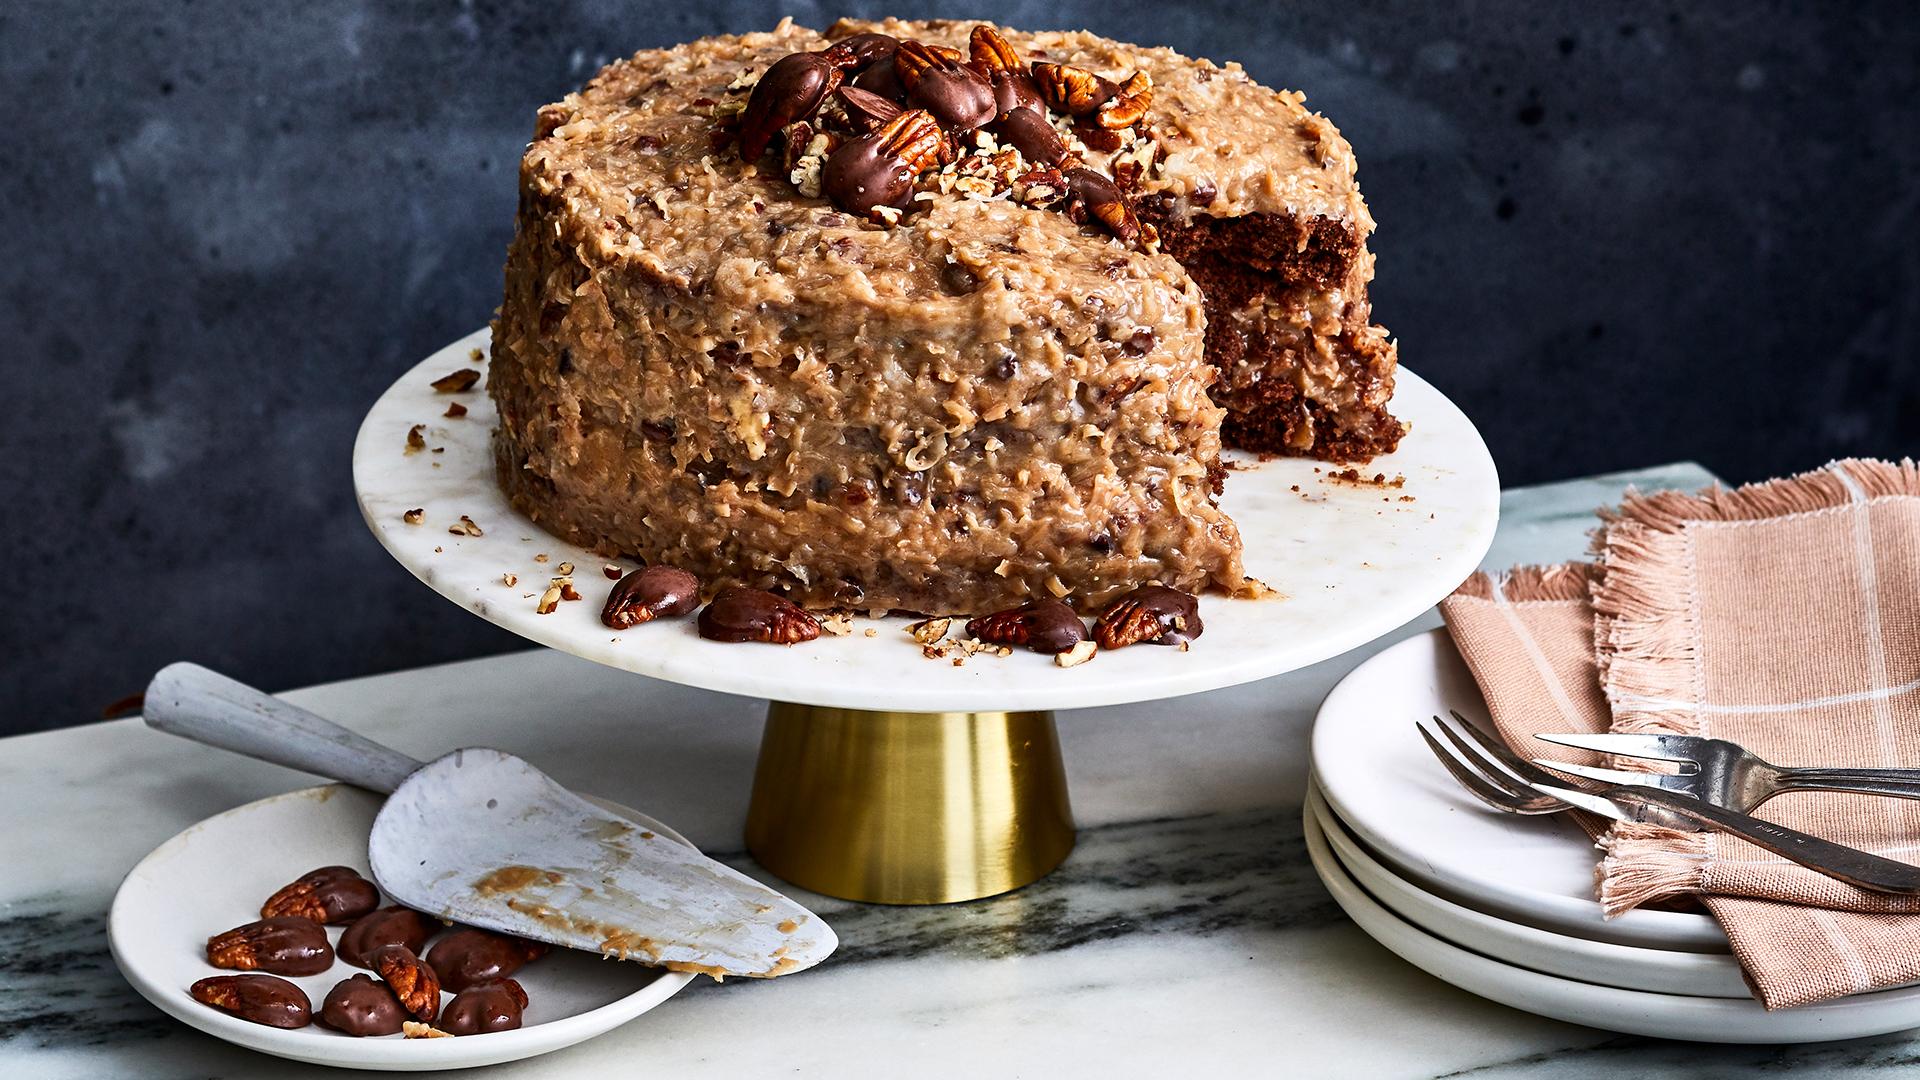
pixel 481 837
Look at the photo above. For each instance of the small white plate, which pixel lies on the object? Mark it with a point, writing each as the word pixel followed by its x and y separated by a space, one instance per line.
pixel 1387 789
pixel 1665 1016
pixel 213 876
pixel 1660 971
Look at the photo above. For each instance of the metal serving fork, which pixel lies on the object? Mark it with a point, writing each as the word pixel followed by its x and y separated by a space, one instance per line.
pixel 1509 782
pixel 1724 773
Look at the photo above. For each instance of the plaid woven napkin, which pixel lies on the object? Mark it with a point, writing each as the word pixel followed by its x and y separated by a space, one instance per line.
pixel 1784 616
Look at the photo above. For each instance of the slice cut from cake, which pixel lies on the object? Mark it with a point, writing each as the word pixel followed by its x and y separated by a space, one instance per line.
pixel 919 353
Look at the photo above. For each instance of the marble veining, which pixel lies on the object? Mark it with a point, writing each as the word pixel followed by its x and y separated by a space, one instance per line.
pixel 1185 935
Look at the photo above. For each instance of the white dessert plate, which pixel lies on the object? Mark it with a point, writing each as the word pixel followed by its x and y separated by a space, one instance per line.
pixel 1665 1016
pixel 1384 785
pixel 213 876
pixel 1352 560
pixel 1660 971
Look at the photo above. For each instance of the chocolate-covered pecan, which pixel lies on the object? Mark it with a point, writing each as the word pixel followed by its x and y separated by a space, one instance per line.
pixel 331 894
pixel 861 51
pixel 469 956
pixel 376 930
pixel 991 55
pixel 756 615
pixel 866 110
pixel 1045 626
pixel 879 169
pixel 1072 90
pixel 1102 200
pixel 1028 131
pixel 484 1007
pixel 286 945
pixel 411 979
pixel 360 1006
pixel 790 90
pixel 650 593
pixel 957 95
pixel 882 79
pixel 257 999
pixel 1151 613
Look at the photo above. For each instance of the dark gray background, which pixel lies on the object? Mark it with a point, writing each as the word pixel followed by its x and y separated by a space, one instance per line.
pixel 1617 235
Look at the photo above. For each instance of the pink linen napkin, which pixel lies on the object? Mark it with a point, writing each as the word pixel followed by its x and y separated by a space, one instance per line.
pixel 1784 616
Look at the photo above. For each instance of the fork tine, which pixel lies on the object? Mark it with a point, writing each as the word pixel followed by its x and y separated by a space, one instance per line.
pixel 1519 766
pixel 1468 751
pixel 1669 781
pixel 1499 798
pixel 1653 747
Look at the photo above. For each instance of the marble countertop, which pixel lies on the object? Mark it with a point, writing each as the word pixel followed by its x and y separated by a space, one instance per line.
pixel 1185 934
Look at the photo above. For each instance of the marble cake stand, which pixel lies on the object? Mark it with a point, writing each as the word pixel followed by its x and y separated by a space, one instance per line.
pixel 885 776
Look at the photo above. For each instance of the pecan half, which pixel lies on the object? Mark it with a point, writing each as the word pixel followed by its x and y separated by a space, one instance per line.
pixel 862 50
pixel 283 946
pixel 1071 90
pixel 990 52
pixel 1128 105
pixel 1152 613
pixel 258 999
pixel 412 981
pixel 865 110
pixel 649 593
pixel 878 170
pixel 1045 626
pixel 756 615
pixel 331 894
pixel 1102 199
pixel 959 96
pixel 790 90
pixel 913 59
pixel 914 137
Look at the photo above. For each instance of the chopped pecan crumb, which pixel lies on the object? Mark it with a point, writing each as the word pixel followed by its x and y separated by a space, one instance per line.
pixel 416 438
pixel 415 516
pixel 414 1029
pixel 455 410
pixel 465 527
pixel 1079 654
pixel 456 381
pixel 509 579
pixel 928 631
pixel 549 600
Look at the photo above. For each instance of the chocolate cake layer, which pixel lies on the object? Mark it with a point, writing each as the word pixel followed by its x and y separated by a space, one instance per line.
pixel 982 404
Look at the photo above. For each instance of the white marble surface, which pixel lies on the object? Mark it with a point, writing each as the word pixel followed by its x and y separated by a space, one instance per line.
pixel 1352 560
pixel 1186 934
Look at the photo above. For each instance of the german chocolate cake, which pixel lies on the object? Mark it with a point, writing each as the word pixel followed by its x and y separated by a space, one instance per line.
pixel 929 316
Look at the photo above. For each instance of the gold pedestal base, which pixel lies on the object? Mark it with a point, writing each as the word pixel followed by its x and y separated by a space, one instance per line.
pixel 909 808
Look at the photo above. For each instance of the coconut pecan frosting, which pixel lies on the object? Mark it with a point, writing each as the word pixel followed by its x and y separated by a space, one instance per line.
pixel 928 316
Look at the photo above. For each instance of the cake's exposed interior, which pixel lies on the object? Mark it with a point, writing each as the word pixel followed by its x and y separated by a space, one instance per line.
pixel 911 358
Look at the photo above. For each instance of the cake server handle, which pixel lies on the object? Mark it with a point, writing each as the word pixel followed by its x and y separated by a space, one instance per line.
pixel 195 703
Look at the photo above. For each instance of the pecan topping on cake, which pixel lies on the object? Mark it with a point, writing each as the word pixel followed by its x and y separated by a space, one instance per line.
pixel 790 90
pixel 1071 90
pixel 823 110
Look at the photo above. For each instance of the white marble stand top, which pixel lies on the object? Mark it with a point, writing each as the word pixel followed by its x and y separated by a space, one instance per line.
pixel 1186 935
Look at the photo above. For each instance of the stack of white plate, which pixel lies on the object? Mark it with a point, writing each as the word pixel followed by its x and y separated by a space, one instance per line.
pixel 1501 905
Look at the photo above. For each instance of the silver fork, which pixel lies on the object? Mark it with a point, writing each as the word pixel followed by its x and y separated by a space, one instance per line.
pixel 1509 782
pixel 1724 773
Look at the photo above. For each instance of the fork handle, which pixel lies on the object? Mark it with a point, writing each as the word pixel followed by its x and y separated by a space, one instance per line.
pixel 1899 783
pixel 1862 869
